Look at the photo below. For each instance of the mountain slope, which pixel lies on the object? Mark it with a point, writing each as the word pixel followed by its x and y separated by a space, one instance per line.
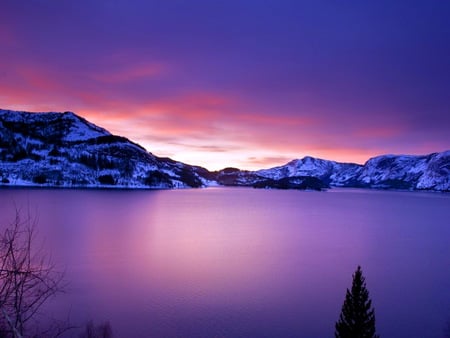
pixel 331 172
pixel 63 149
pixel 429 172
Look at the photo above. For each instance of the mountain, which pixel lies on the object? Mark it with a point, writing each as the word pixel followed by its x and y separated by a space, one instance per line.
pixel 330 172
pixel 271 179
pixel 65 150
pixel 429 172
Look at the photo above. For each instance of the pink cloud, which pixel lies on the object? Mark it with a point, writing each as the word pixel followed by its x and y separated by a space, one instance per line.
pixel 130 73
pixel 40 80
pixel 197 122
pixel 379 132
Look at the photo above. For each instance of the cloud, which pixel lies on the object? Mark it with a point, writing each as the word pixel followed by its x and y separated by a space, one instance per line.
pixel 270 161
pixel 129 73
pixel 152 103
pixel 205 148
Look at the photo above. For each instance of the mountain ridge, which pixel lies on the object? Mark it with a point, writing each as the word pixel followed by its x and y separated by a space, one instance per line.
pixel 406 172
pixel 66 150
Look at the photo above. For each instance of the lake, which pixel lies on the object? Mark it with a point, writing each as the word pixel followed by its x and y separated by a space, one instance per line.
pixel 238 262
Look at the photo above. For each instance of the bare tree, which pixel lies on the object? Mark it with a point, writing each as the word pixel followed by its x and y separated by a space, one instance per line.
pixel 27 277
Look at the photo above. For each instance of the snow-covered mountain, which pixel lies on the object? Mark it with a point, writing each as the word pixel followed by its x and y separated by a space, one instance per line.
pixel 330 172
pixel 429 172
pixel 65 150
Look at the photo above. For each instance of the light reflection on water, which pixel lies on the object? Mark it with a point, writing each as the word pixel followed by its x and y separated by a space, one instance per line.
pixel 238 262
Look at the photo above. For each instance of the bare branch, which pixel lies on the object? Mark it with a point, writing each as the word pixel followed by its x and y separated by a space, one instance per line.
pixel 27 276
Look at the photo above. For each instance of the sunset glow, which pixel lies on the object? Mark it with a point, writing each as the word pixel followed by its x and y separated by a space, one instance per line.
pixel 234 83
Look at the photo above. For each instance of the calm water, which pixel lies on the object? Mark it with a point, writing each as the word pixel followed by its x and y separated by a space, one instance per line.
pixel 236 262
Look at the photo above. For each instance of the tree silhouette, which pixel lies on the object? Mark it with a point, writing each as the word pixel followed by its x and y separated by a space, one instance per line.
pixel 27 279
pixel 357 318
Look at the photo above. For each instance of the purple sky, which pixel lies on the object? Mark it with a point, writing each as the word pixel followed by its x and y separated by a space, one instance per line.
pixel 250 84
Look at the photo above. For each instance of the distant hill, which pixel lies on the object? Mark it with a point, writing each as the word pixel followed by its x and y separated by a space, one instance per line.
pixel 428 172
pixel 65 150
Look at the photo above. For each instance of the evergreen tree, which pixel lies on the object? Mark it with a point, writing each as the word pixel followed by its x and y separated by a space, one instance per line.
pixel 357 319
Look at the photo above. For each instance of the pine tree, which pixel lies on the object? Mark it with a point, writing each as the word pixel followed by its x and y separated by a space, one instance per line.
pixel 357 319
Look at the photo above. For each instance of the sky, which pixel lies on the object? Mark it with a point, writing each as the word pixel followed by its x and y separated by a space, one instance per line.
pixel 250 83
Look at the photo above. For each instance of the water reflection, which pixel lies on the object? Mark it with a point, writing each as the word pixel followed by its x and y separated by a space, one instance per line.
pixel 244 262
